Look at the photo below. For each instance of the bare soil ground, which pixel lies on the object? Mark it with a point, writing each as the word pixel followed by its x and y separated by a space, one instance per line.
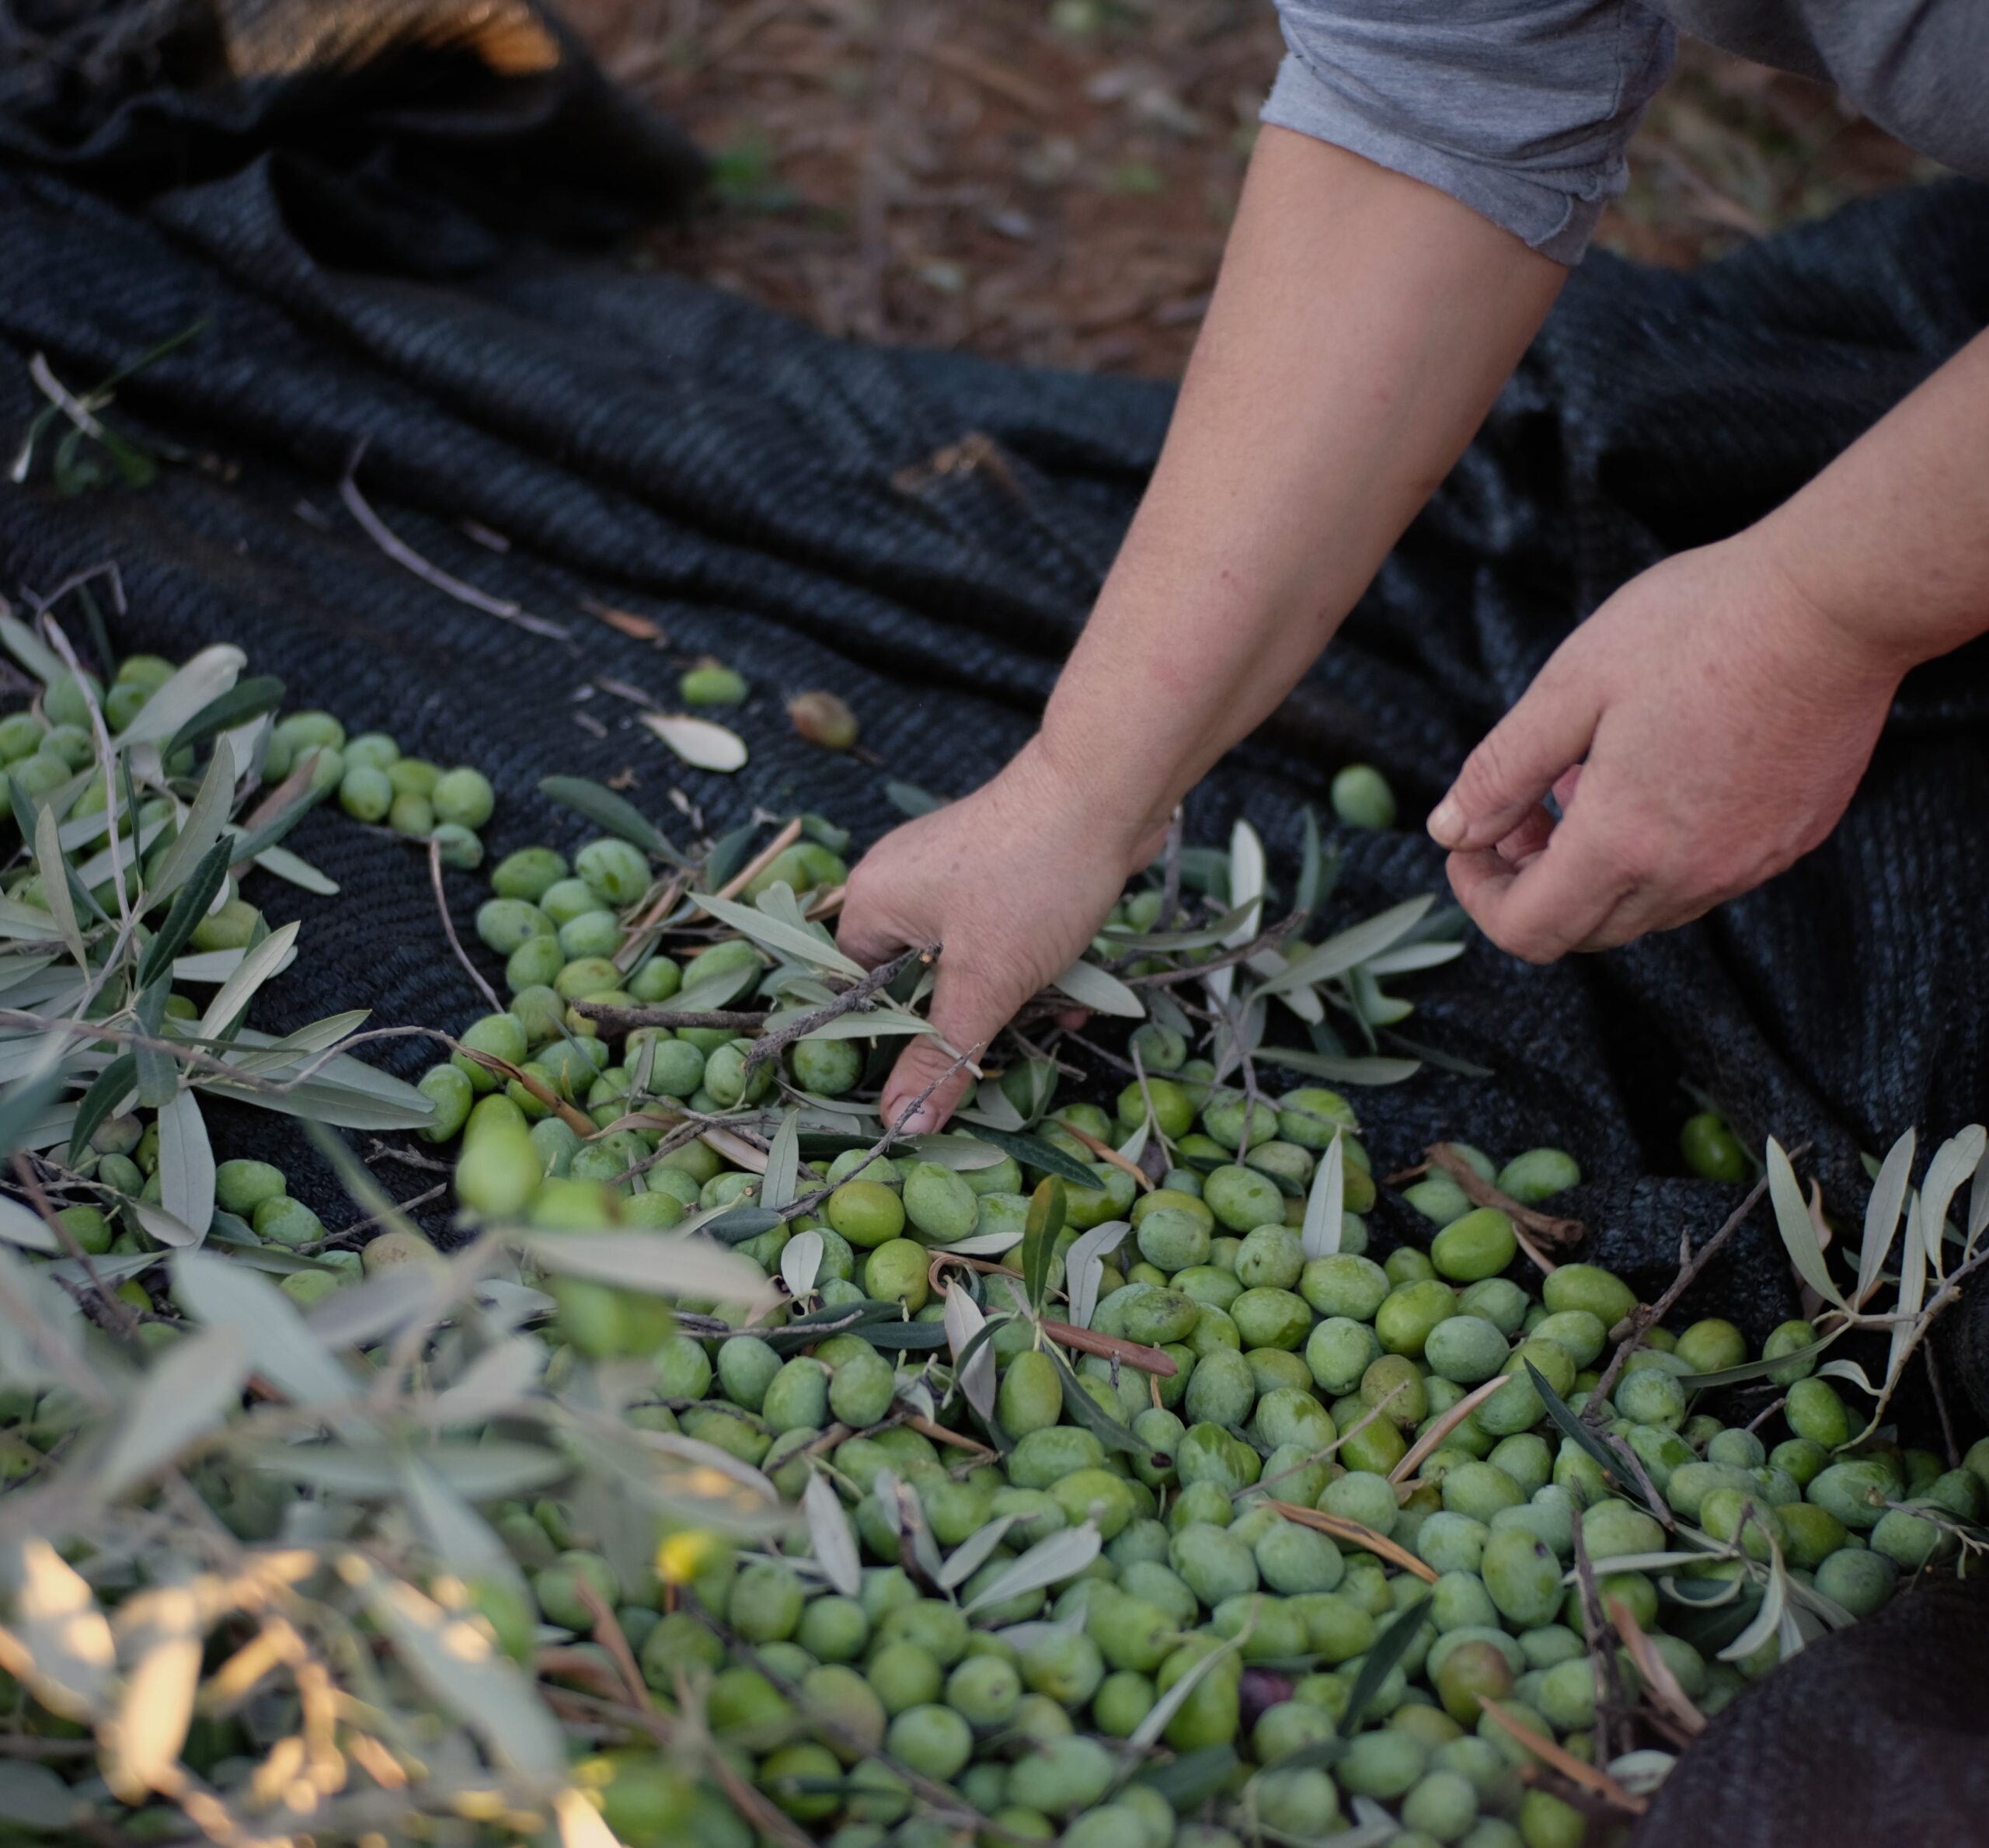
pixel 1051 180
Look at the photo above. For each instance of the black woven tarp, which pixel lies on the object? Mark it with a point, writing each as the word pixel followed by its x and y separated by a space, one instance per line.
pixel 923 534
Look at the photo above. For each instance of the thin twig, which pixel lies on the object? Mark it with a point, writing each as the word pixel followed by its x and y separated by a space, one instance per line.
pixel 1642 1319
pixel 1481 1192
pixel 616 1021
pixel 1951 1448
pixel 1602 1655
pixel 1170 884
pixel 1269 940
pixel 449 928
pixel 406 556
pixel 855 999
pixel 119 1310
pixel 759 863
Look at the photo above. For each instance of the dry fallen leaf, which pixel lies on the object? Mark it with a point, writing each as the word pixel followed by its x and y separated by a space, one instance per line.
pixel 699 742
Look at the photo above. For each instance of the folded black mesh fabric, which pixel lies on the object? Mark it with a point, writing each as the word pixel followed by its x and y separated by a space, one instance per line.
pixel 389 217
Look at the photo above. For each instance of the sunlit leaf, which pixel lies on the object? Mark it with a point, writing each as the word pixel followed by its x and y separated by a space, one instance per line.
pixel 451 1657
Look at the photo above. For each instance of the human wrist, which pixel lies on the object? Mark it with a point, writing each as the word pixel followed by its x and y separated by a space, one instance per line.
pixel 1861 635
pixel 1117 809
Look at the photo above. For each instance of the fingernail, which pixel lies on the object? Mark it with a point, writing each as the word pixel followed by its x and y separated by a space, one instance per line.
pixel 1447 822
pixel 922 1121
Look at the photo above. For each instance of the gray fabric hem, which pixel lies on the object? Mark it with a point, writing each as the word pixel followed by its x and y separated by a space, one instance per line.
pixel 1556 221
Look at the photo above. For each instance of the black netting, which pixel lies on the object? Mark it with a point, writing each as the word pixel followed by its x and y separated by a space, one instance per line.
pixel 352 242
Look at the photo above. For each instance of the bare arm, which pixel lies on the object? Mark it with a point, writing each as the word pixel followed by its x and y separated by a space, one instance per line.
pixel 1708 725
pixel 1362 325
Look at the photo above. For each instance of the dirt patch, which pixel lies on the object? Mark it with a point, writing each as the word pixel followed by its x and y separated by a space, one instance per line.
pixel 1052 180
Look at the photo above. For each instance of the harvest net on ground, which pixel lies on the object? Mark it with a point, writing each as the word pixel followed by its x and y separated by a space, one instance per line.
pixel 478 1364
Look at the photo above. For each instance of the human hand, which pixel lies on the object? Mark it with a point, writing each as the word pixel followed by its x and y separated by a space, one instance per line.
pixel 1013 881
pixel 1702 731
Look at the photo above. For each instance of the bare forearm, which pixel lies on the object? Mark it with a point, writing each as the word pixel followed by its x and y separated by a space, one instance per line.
pixel 1363 325
pixel 1891 542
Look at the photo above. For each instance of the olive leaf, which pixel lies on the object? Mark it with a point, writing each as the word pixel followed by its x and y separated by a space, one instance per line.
pixel 59 1627
pixel 1571 1426
pixel 1768 1618
pixel 218 1292
pixel 29 649
pixel 1954 1161
pixel 1325 1206
pixel 1046 1209
pixel 1351 947
pixel 1160 1716
pixel 1388 1649
pixel 190 906
pixel 829 1531
pixel 1087 1411
pixel 1098 989
pixel 185 1163
pixel 1083 1267
pixel 1792 1219
pixel 811 945
pixel 33 1796
pixel 108 1090
pixel 616 813
pixel 274 953
pixel 909 800
pixel 460 1538
pixel 19 1226
pixel 800 1262
pixel 1339 1071
pixel 455 1660
pixel 660 1263
pixel 1032 1151
pixel 498 1380
pixel 1189 1780
pixel 190 1391
pixel 53 870
pixel 974 1552
pixel 1882 1214
pixel 973 1365
pixel 248 699
pixel 1064 1555
pixel 701 742
pixel 191 690
pixel 783 1172
pixel 161 1632
pixel 1760 1370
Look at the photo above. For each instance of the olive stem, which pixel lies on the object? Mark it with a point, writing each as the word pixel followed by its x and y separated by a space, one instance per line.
pixel 1642 1318
pixel 1481 1192
pixel 449 926
pixel 854 999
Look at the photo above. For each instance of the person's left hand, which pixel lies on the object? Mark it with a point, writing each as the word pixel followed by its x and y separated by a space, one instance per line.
pixel 1702 731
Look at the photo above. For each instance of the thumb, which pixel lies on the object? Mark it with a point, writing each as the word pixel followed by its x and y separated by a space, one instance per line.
pixel 1516 764
pixel 968 1010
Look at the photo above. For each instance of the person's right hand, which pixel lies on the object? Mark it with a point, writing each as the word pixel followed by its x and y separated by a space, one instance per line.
pixel 1013 881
